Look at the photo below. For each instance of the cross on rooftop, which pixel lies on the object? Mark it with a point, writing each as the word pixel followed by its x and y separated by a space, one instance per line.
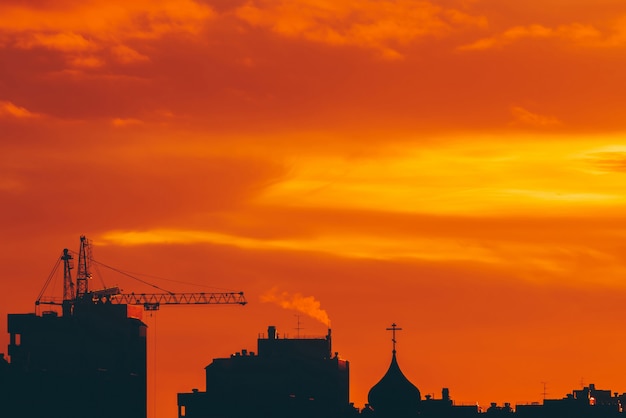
pixel 393 330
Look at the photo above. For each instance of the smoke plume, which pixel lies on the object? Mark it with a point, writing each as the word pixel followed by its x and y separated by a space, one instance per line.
pixel 306 304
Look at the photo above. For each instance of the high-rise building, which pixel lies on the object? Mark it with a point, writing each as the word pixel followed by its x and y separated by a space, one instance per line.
pixel 88 363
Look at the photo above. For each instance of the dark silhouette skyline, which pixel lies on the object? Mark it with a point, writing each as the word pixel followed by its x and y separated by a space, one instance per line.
pixel 92 362
pixel 299 377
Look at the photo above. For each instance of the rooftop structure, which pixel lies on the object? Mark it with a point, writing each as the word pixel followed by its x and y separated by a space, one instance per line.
pixel 287 377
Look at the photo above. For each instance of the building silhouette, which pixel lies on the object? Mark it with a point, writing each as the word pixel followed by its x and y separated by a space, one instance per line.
pixel 88 363
pixel 394 396
pixel 588 402
pixel 287 377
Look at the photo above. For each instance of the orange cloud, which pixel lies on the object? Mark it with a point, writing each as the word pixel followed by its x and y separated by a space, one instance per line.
pixel 606 161
pixel 107 19
pixel 99 26
pixel 120 122
pixel 8 109
pixel 88 61
pixel 526 117
pixel 380 25
pixel 575 33
pixel 126 55
pixel 544 174
pixel 62 41
pixel 345 245
pixel 495 203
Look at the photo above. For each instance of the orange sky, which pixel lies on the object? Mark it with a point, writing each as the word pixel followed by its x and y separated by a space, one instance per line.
pixel 454 166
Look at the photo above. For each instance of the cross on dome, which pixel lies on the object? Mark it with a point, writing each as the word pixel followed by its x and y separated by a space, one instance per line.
pixel 393 330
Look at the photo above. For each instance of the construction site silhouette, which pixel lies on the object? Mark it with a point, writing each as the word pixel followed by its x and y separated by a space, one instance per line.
pixel 90 361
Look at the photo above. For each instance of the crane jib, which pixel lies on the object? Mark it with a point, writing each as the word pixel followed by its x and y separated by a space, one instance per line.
pixel 152 301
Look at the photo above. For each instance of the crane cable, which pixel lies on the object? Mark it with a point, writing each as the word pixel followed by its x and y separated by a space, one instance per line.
pixel 45 286
pixel 96 263
pixel 131 276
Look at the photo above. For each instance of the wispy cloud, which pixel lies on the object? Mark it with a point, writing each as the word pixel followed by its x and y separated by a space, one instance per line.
pixel 526 117
pixel 11 110
pixel 341 245
pixel 608 161
pixel 381 25
pixel 574 33
pixel 61 41
pixel 102 28
pixel 123 122
pixel 126 55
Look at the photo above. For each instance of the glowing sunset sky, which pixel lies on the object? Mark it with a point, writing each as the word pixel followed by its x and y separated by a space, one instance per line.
pixel 455 166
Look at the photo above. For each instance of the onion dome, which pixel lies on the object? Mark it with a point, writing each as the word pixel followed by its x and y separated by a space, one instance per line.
pixel 394 395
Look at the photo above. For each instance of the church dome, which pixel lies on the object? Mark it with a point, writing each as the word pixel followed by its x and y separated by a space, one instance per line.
pixel 394 395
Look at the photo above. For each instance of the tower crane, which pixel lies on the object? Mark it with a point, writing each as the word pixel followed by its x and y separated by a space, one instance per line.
pixel 80 294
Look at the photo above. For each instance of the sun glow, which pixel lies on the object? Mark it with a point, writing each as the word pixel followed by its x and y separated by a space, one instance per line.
pixel 546 175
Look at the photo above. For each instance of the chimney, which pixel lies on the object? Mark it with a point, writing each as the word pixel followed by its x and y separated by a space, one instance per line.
pixel 271 332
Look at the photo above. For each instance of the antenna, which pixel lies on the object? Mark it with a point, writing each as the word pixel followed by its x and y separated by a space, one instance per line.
pixel 298 328
pixel 544 393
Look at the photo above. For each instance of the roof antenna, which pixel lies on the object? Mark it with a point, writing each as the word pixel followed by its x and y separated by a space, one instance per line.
pixel 298 328
pixel 545 392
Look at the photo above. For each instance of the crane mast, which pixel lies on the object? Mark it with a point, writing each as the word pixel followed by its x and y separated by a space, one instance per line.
pixel 83 274
pixel 68 284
